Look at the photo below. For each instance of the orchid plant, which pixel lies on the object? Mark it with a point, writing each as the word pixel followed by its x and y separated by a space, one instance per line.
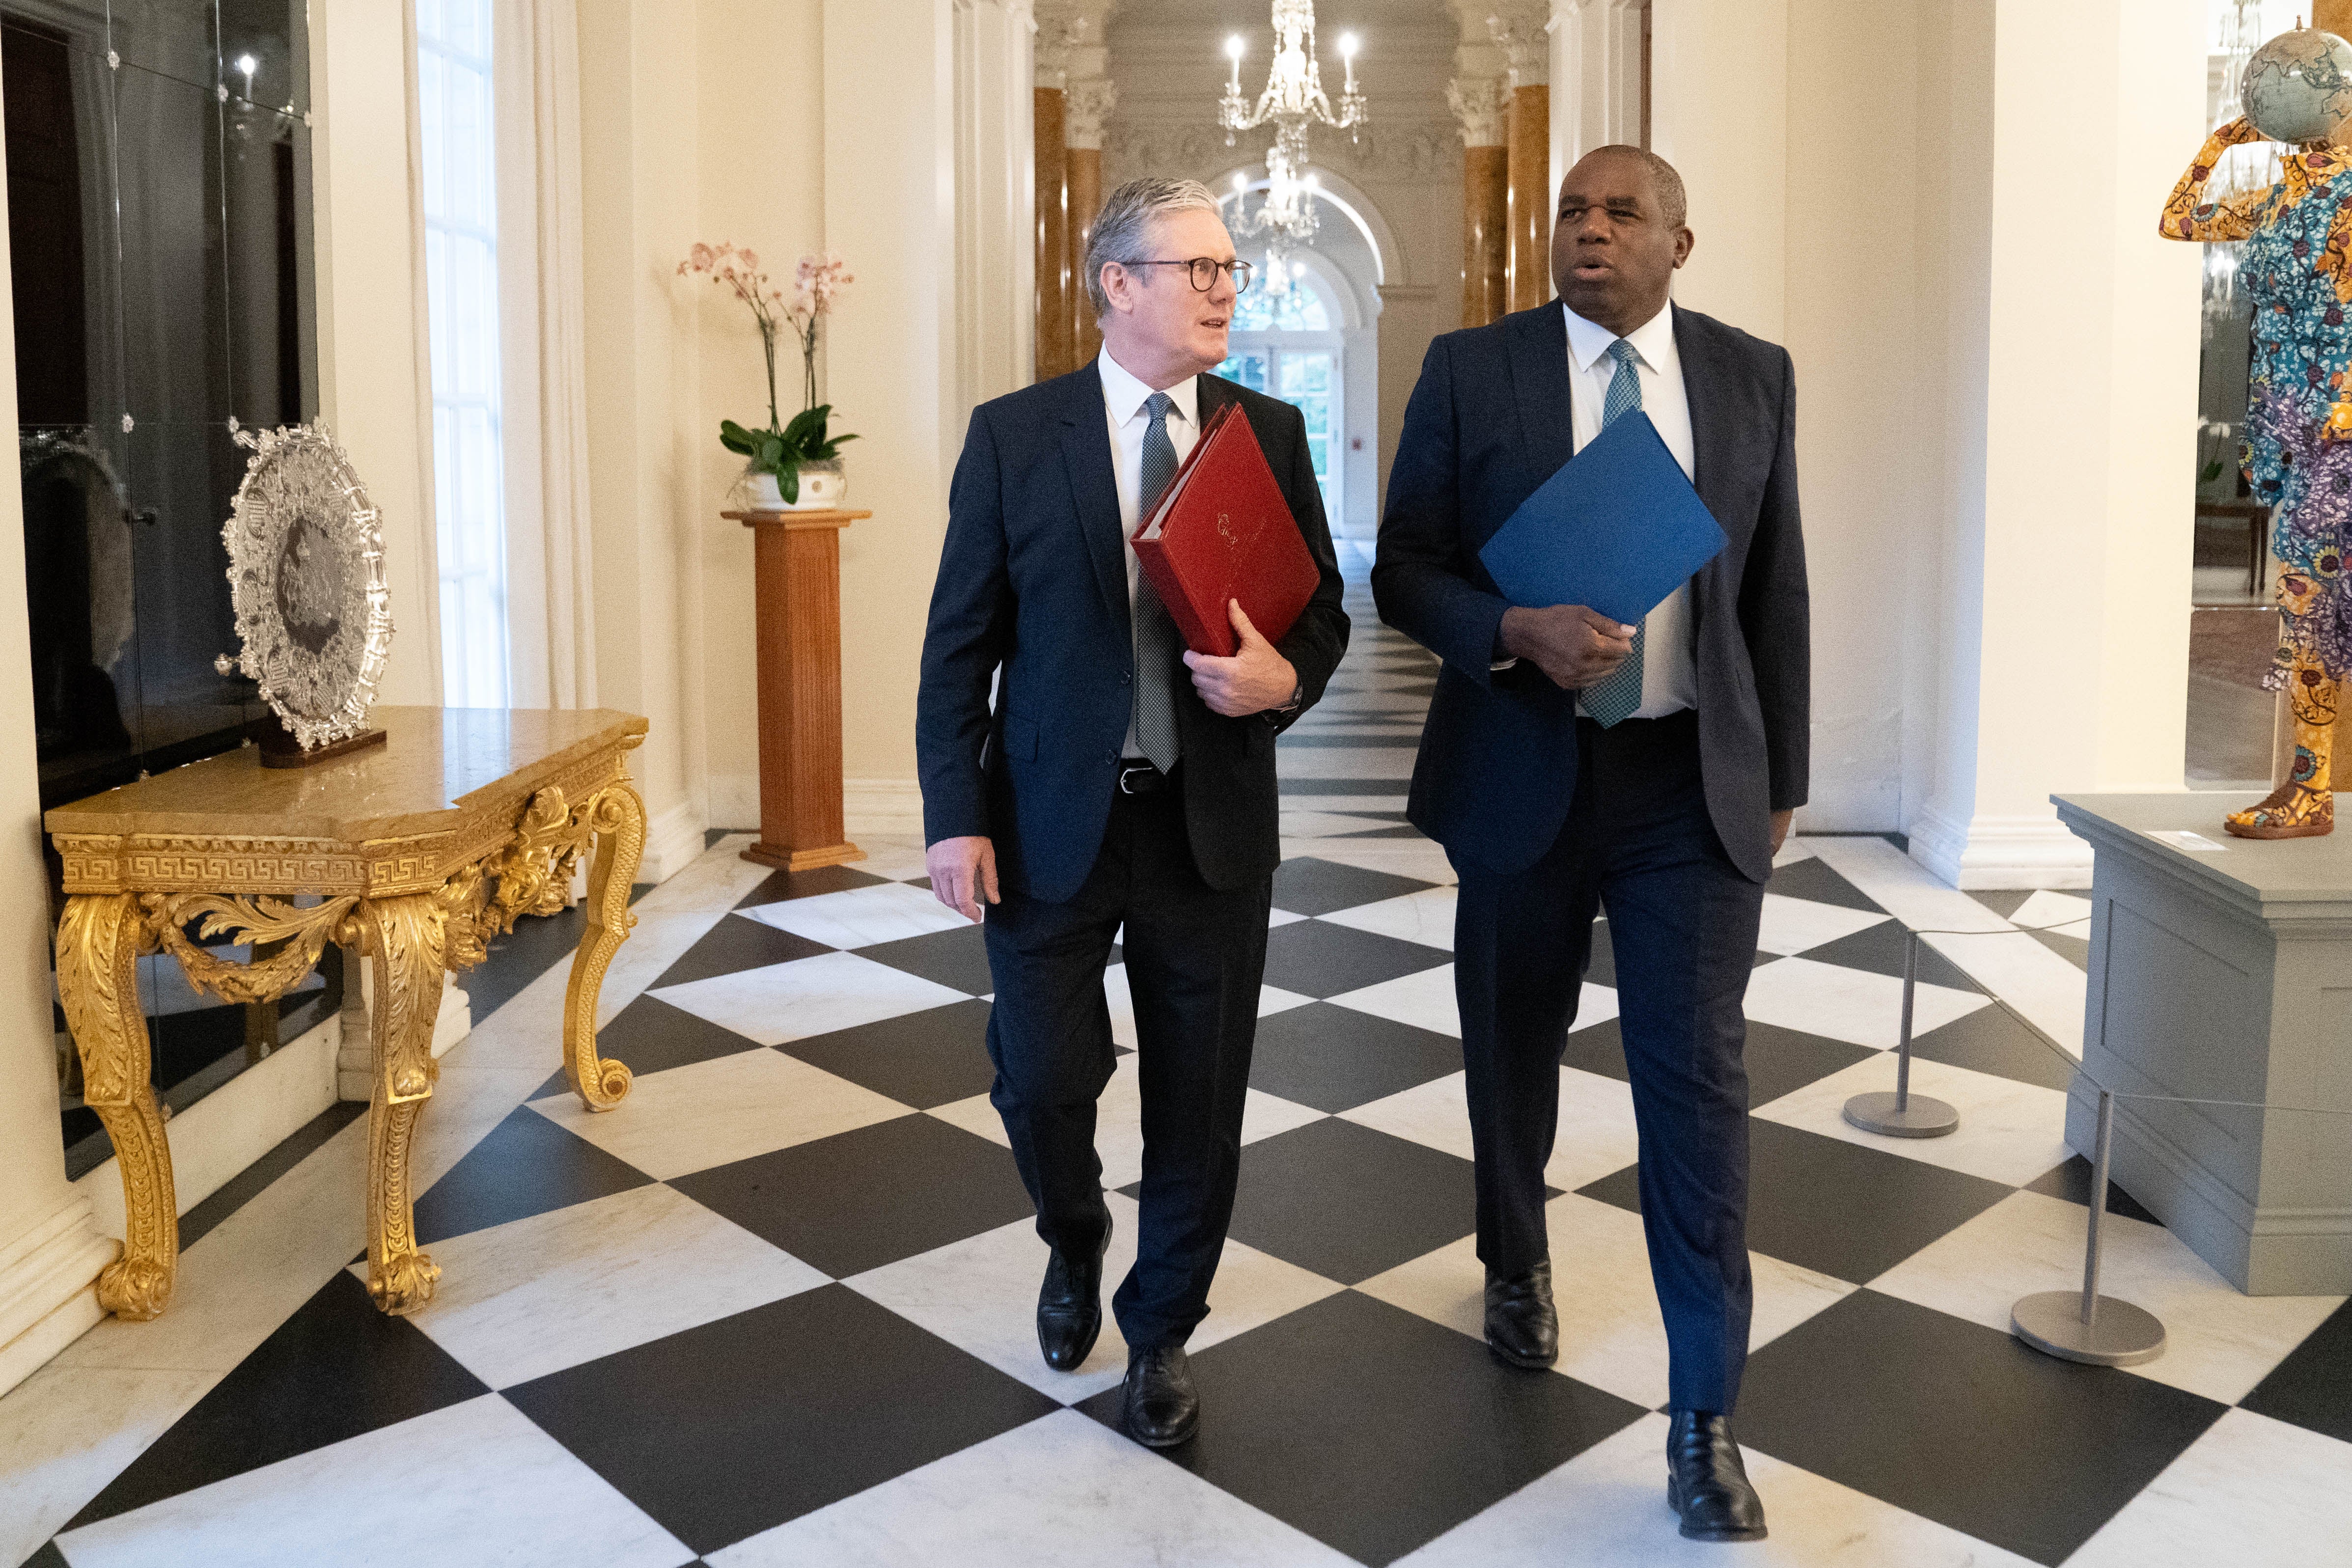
pixel 782 447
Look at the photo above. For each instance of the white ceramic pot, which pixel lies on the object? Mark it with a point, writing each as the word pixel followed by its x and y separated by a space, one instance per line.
pixel 823 485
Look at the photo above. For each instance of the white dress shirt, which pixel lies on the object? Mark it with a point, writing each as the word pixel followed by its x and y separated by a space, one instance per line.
pixel 1669 669
pixel 1123 405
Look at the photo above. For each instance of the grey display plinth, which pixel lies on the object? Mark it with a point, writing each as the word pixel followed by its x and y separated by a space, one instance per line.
pixel 2223 976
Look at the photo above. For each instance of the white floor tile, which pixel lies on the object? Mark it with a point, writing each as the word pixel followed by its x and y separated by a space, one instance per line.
pixel 1426 918
pixel 1607 1508
pixel 980 1295
pixel 1420 858
pixel 2044 986
pixel 1328 824
pixel 2250 1489
pixel 1793 851
pixel 1118 1120
pixel 1596 1137
pixel 1063 1492
pixel 2218 1343
pixel 2049 909
pixel 614 1273
pixel 714 881
pixel 714 1113
pixel 895 858
pixel 1343 761
pixel 1610 1334
pixel 1344 803
pixel 1426 1000
pixel 474 1483
pixel 2009 1132
pixel 66 1432
pixel 861 917
pixel 1850 1005
pixel 1793 924
pixel 779 1002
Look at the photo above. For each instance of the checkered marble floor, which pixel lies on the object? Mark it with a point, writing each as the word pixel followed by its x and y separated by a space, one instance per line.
pixel 776 1309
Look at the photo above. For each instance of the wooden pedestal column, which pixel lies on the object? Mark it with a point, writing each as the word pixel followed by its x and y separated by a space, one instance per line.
pixel 797 563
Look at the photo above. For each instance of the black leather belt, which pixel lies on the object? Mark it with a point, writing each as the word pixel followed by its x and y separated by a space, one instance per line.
pixel 1137 777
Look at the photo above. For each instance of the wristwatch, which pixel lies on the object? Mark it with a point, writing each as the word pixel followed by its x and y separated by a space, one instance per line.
pixel 1297 697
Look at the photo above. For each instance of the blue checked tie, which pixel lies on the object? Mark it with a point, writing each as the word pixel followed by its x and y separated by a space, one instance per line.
pixel 1615 698
pixel 1155 642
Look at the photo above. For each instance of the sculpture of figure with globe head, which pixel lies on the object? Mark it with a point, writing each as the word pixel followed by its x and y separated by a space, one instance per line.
pixel 2296 268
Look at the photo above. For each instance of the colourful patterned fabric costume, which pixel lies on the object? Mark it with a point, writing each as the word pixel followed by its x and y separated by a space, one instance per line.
pixel 2297 269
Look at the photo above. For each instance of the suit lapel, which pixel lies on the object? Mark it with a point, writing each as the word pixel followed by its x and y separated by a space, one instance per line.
pixel 1094 489
pixel 1539 381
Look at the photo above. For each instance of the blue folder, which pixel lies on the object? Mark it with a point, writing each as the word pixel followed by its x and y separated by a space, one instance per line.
pixel 1617 528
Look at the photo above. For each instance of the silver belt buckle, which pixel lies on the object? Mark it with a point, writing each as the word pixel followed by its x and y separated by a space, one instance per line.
pixel 1128 771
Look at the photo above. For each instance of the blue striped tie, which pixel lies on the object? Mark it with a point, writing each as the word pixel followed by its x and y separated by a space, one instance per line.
pixel 1615 698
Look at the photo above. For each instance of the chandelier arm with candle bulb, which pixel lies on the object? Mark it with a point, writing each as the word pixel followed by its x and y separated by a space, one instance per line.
pixel 1293 99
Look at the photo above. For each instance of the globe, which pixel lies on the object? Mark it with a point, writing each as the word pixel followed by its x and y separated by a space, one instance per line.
pixel 2298 87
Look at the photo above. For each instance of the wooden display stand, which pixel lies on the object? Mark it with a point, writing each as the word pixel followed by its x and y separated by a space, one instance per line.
pixel 797 562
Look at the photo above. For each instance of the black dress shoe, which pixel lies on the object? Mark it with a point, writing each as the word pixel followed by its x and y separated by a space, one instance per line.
pixel 1162 1407
pixel 1707 1482
pixel 1069 1305
pixel 1522 1328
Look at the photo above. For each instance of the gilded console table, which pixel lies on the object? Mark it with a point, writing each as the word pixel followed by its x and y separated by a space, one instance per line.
pixel 416 852
pixel 796 584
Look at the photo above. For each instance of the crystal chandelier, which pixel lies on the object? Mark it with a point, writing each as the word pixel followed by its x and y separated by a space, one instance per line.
pixel 1293 101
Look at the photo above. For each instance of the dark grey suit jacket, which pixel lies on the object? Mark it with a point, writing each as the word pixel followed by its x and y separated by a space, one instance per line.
pixel 1488 424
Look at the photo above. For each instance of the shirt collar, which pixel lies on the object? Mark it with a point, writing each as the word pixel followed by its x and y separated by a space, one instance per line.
pixel 1126 395
pixel 1654 339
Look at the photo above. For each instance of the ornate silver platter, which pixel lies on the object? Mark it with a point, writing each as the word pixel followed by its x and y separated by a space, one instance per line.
pixel 306 577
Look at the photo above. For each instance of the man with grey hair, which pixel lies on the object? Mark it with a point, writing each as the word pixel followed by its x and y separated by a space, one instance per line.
pixel 1119 781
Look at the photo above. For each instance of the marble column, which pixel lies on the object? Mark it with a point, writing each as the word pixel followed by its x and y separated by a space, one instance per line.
pixel 1479 110
pixel 1056 272
pixel 1522 38
pixel 1089 101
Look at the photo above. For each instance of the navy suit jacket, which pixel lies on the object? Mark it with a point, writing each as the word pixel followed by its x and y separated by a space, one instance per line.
pixel 1031 592
pixel 1488 424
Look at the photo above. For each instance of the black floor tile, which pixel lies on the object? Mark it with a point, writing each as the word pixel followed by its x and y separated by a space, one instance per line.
pixel 1336 1059
pixel 1346 1203
pixel 2312 1386
pixel 1963 1424
pixel 1316 958
pixel 526 1165
pixel 778 885
pixel 536 945
pixel 956 958
pixel 650 1035
pixel 1306 885
pixel 2072 1181
pixel 737 1426
pixel 1847 1211
pixel 1811 878
pixel 2076 950
pixel 925 1059
pixel 336 1369
pixel 1989 1040
pixel 737 941
pixel 48 1556
pixel 1374 1430
pixel 860 1199
pixel 2003 902
pixel 1879 949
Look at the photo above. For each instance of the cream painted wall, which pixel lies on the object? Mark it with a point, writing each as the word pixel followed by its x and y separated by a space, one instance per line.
pixel 641 182
pixel 1720 112
pixel 760 182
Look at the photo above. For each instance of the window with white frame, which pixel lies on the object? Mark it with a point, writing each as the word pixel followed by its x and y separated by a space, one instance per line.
pixel 1286 343
pixel 461 267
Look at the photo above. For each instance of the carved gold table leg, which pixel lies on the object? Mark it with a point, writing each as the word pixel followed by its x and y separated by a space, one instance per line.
pixel 99 944
pixel 617 817
pixel 407 938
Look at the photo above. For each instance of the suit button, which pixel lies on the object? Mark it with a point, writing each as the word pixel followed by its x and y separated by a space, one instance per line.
pixel 1126 677
pixel 1111 757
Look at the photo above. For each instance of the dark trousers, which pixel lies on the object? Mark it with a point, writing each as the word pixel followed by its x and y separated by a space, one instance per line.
pixel 1682 928
pixel 1194 958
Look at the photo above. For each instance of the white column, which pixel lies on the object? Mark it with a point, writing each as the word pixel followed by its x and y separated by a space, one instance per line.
pixel 1596 74
pixel 995 250
pixel 2065 654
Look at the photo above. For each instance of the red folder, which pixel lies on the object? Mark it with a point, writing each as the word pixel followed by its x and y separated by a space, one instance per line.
pixel 1222 531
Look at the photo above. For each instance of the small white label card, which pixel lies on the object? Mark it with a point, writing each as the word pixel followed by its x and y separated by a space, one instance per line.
pixel 2195 843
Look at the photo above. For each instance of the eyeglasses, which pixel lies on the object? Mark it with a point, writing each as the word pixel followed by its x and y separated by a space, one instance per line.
pixel 1204 271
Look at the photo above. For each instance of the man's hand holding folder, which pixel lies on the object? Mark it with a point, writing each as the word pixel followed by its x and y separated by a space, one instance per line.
pixel 1573 645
